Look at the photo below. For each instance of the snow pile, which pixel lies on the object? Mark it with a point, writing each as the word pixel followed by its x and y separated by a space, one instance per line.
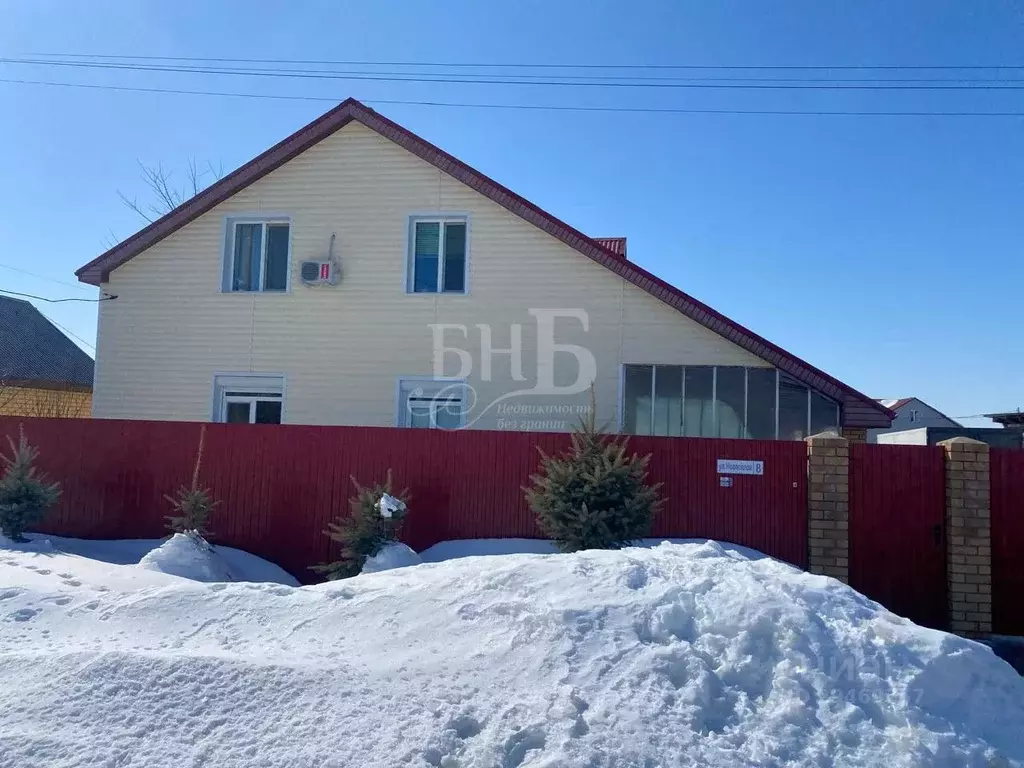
pixel 188 556
pixel 242 565
pixel 678 655
pixel 394 555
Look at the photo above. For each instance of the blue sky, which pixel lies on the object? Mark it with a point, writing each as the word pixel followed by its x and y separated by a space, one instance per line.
pixel 885 250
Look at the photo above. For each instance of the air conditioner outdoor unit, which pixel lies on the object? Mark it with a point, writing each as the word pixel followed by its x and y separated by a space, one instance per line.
pixel 319 273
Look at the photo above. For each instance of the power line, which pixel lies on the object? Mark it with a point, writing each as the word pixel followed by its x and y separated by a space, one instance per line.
pixel 69 331
pixel 1000 85
pixel 599 79
pixel 106 297
pixel 536 107
pixel 549 65
pixel 43 277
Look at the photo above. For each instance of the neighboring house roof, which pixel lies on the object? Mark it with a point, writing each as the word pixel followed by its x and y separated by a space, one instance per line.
pixel 859 410
pixel 34 351
pixel 896 405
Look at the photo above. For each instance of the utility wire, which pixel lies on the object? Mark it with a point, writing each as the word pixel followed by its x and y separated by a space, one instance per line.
pixel 570 79
pixel 69 331
pixel 43 277
pixel 464 80
pixel 106 297
pixel 548 65
pixel 537 107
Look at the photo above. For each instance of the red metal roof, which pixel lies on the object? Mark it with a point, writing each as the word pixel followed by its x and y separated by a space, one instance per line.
pixel 616 245
pixel 859 410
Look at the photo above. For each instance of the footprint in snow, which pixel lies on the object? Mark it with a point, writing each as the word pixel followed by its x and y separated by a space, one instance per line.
pixel 23 614
pixel 519 743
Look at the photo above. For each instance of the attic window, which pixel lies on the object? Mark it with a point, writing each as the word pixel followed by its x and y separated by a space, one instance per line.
pixel 438 255
pixel 257 255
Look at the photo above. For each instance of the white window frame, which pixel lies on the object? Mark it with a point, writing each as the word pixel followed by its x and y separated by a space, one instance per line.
pixel 257 386
pixel 453 217
pixel 231 227
pixel 402 412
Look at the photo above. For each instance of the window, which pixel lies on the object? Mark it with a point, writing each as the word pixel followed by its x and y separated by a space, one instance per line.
pixel 699 401
pixel 437 258
pixel 793 409
pixel 668 400
pixel 722 401
pixel 258 256
pixel 637 385
pixel 914 413
pixel 249 399
pixel 431 403
pixel 824 414
pixel 762 388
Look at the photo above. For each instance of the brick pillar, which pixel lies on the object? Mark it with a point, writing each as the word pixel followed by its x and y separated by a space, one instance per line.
pixel 968 536
pixel 856 434
pixel 828 505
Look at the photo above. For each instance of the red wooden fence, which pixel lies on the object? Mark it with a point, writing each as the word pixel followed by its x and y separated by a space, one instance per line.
pixel 1007 471
pixel 279 486
pixel 897 524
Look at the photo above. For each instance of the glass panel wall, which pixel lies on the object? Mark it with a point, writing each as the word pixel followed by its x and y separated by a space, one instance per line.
pixel 824 414
pixel 730 401
pixel 636 399
pixel 793 411
pixel 699 401
pixel 762 384
pixel 723 401
pixel 668 400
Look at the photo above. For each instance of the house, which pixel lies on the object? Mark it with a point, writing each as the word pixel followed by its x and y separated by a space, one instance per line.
pixel 42 372
pixel 356 274
pixel 997 438
pixel 911 413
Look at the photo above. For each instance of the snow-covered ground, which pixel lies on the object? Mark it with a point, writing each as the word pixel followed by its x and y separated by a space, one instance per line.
pixel 173 556
pixel 675 655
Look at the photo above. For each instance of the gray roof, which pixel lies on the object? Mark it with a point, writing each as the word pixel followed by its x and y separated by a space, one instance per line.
pixel 33 349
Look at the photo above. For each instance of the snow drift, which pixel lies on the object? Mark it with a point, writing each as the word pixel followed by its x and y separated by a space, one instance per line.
pixel 684 654
pixel 189 556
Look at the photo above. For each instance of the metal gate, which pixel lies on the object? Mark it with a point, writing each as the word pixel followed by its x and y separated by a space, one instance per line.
pixel 897 529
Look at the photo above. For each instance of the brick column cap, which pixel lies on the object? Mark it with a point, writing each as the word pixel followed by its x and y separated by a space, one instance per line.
pixel 964 444
pixel 827 438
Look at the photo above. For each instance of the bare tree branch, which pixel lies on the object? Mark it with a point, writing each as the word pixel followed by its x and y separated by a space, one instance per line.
pixel 165 196
pixel 134 205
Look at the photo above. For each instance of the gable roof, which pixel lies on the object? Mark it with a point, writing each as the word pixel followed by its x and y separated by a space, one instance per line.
pixel 33 351
pixel 896 405
pixel 858 409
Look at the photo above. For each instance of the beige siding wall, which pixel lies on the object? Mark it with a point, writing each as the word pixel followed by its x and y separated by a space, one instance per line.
pixel 343 348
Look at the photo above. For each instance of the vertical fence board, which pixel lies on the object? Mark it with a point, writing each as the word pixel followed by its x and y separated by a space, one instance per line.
pixel 897 523
pixel 1007 497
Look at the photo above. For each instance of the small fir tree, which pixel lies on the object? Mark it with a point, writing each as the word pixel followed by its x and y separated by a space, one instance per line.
pixel 594 495
pixel 25 495
pixel 192 506
pixel 365 531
